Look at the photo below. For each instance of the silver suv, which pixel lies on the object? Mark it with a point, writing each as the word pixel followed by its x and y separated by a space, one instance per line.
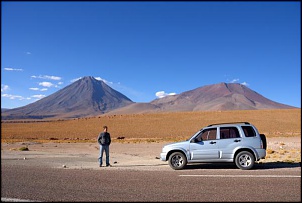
pixel 238 142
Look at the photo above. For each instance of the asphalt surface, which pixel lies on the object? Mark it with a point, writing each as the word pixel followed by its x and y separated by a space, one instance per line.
pixel 196 183
pixel 52 172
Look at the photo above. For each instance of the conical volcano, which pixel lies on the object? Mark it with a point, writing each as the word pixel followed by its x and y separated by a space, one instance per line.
pixel 85 97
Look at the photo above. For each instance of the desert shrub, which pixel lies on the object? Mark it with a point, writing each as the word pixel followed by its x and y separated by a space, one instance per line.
pixel 23 149
pixel 270 151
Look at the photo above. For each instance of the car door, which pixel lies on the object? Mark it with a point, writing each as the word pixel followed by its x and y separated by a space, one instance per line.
pixel 204 147
pixel 229 140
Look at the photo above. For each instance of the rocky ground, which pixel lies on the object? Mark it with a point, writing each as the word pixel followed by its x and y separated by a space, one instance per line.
pixel 142 156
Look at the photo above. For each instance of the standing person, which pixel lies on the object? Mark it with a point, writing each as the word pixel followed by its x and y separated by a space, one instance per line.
pixel 104 141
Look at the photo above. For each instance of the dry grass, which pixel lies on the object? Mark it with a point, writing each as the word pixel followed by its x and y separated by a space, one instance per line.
pixel 150 127
pixel 293 155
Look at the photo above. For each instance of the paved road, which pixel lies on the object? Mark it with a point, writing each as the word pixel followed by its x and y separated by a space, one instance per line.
pixel 202 183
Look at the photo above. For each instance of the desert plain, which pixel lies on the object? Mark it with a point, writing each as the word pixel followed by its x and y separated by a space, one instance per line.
pixel 137 139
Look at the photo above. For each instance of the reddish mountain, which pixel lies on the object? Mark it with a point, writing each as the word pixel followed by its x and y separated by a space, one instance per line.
pixel 85 97
pixel 217 97
pixel 90 97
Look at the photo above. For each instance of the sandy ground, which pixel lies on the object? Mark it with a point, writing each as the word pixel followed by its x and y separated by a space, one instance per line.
pixel 134 156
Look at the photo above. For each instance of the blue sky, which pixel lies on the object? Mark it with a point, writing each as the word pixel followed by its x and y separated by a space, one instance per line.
pixel 147 50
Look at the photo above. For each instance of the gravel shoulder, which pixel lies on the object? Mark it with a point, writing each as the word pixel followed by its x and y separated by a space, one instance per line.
pixel 140 156
pixel 123 156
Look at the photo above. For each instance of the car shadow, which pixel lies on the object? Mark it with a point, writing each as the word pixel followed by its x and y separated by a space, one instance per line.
pixel 272 165
pixel 258 166
pixel 140 165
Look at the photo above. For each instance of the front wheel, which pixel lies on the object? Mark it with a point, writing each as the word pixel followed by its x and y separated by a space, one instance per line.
pixel 177 161
pixel 245 160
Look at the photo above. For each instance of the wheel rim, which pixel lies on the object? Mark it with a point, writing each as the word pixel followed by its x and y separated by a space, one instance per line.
pixel 245 160
pixel 177 161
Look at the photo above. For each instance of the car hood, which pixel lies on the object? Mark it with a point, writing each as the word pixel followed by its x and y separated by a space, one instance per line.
pixel 177 144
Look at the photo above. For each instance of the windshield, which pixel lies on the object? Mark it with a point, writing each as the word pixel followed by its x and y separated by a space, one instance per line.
pixel 193 136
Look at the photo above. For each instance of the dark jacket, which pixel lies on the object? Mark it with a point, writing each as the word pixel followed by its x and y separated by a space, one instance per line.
pixel 104 138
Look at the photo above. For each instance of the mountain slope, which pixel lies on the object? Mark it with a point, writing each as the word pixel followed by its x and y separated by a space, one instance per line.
pixel 90 97
pixel 217 97
pixel 85 97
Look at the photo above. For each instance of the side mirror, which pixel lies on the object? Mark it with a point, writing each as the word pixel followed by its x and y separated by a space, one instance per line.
pixel 194 140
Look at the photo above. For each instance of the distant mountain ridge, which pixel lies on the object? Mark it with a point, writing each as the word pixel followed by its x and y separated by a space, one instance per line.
pixel 216 97
pixel 91 97
pixel 222 96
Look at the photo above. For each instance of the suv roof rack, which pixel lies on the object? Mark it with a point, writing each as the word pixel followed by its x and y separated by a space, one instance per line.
pixel 228 123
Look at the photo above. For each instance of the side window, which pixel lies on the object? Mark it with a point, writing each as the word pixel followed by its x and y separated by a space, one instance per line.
pixel 208 134
pixel 229 132
pixel 249 131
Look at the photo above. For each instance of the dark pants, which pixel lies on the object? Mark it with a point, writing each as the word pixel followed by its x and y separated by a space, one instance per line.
pixel 102 149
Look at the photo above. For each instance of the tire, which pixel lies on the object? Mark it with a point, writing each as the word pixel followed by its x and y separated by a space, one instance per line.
pixel 177 161
pixel 263 138
pixel 245 160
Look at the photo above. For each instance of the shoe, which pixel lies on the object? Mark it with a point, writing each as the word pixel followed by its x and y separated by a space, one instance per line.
pixel 100 165
pixel 108 165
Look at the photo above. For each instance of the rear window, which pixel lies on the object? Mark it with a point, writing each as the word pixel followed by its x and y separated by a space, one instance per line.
pixel 249 131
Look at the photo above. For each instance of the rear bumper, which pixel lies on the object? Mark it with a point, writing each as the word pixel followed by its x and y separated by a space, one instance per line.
pixel 261 154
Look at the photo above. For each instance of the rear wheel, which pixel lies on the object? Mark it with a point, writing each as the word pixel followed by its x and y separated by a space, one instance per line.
pixel 245 160
pixel 177 161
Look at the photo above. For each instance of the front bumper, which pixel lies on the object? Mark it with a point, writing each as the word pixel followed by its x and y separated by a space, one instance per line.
pixel 163 156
